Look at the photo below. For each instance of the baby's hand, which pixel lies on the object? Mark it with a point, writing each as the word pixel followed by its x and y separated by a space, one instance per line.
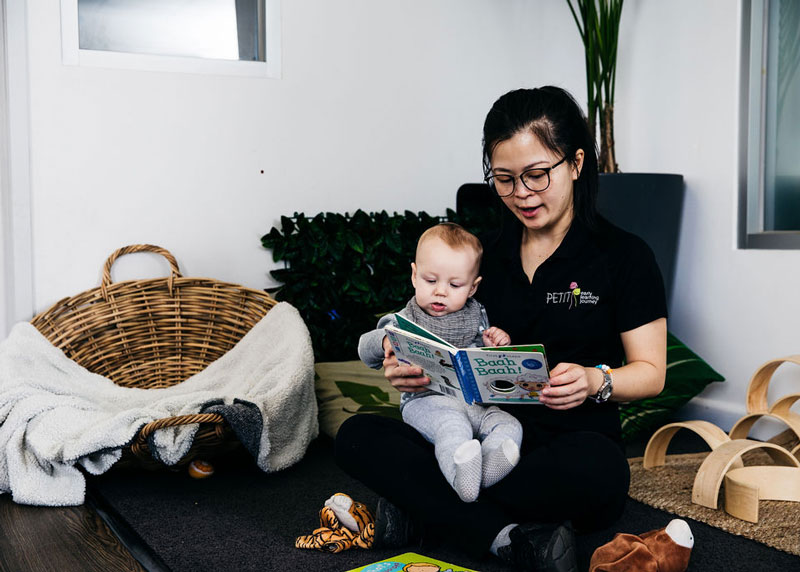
pixel 495 337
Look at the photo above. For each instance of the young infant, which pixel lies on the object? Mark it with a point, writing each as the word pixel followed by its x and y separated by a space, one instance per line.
pixel 475 445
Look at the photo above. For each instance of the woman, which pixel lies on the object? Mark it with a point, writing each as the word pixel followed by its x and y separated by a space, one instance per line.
pixel 557 274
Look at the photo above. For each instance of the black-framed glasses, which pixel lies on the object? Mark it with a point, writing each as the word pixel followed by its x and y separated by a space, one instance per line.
pixel 535 180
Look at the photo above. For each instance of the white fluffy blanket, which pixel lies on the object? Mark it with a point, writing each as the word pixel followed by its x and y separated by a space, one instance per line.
pixel 55 414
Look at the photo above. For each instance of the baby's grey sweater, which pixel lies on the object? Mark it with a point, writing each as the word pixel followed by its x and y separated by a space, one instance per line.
pixel 463 328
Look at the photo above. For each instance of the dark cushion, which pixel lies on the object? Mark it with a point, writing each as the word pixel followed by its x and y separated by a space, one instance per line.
pixel 345 388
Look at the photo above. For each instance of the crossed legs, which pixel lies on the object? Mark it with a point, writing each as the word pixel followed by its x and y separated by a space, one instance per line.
pixel 580 476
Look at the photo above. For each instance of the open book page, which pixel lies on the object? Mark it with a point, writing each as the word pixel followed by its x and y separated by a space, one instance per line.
pixel 435 359
pixel 408 326
pixel 523 348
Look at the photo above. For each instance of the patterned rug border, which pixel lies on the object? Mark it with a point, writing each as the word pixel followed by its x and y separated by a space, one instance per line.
pixel 669 488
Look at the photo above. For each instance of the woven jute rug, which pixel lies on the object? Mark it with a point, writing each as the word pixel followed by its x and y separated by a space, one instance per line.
pixel 669 488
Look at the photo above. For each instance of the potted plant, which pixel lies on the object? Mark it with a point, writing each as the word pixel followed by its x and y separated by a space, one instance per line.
pixel 646 204
pixel 598 24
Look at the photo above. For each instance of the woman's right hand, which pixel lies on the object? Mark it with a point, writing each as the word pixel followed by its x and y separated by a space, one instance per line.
pixel 407 378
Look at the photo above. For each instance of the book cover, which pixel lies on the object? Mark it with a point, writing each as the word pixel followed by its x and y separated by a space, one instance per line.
pixel 437 361
pixel 411 562
pixel 510 374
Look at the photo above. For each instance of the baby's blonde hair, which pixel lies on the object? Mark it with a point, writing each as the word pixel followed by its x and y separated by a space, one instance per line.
pixel 455 236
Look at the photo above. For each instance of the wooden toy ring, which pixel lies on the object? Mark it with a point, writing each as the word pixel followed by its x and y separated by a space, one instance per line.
pixel 759 383
pixel 783 406
pixel 741 429
pixel 714 467
pixel 656 452
pixel 744 487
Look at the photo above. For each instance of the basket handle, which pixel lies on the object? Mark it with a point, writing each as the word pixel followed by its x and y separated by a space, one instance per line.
pixel 153 426
pixel 106 281
pixel 139 445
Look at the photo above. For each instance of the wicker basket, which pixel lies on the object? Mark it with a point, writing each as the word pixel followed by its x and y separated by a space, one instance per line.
pixel 153 334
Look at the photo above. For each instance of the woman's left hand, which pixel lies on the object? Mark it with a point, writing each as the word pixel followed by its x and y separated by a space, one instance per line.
pixel 569 386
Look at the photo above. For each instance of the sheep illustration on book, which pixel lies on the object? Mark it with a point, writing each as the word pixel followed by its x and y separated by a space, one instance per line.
pixel 343 524
pixel 532 387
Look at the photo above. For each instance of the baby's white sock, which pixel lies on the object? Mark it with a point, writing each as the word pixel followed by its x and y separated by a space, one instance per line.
pixel 498 462
pixel 467 482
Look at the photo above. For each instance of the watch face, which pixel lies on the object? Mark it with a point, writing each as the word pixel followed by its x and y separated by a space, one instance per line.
pixel 605 393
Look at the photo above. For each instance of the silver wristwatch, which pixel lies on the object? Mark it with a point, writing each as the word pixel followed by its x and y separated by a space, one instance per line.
pixel 606 388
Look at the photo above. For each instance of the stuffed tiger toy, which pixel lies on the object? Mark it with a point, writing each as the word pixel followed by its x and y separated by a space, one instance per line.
pixel 343 524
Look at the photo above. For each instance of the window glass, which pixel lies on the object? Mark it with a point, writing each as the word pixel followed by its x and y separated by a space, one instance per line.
pixel 770 157
pixel 782 140
pixel 216 29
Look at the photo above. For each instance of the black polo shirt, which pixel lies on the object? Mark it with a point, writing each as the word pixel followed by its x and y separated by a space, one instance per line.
pixel 596 285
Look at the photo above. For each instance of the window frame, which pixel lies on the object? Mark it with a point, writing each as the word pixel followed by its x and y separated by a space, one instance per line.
pixel 752 134
pixel 72 54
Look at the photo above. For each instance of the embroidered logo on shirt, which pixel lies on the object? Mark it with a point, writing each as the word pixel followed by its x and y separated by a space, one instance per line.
pixel 574 296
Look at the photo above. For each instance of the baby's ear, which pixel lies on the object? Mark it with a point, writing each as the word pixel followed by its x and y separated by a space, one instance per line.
pixel 475 284
pixel 414 275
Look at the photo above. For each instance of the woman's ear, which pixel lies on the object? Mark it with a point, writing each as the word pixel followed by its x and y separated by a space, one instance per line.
pixel 577 164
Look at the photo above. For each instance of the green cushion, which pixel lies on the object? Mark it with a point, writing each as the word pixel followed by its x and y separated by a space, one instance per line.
pixel 349 387
pixel 687 375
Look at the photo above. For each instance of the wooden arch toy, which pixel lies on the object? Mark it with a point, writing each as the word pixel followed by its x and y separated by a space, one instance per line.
pixel 741 429
pixel 759 383
pixel 745 486
pixel 714 467
pixel 783 406
pixel 656 451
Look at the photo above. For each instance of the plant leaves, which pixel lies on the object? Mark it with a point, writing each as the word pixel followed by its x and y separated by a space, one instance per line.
pixel 355 242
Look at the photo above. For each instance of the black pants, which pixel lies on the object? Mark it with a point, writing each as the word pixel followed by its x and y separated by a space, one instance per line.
pixel 578 476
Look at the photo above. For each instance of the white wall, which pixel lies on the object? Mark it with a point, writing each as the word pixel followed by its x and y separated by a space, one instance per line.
pixel 678 111
pixel 4 301
pixel 381 107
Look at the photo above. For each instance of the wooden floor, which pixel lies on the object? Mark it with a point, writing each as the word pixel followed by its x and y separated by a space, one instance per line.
pixel 69 539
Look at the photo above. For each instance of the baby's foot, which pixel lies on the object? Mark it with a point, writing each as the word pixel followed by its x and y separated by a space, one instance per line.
pixel 467 482
pixel 498 462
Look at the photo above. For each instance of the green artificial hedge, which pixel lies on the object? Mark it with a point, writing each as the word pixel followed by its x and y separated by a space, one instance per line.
pixel 343 271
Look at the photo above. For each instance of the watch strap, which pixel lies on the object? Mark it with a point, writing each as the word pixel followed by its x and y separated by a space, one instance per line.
pixel 604 392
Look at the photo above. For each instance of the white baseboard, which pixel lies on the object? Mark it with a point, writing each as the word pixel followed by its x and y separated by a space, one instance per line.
pixel 725 415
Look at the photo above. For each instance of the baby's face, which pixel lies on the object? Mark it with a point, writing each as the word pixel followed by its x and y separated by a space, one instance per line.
pixel 444 277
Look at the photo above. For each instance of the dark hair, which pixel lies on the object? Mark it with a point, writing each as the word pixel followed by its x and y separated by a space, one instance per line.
pixel 556 119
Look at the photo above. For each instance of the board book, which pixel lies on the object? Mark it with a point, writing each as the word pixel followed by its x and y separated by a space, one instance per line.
pixel 507 374
pixel 411 562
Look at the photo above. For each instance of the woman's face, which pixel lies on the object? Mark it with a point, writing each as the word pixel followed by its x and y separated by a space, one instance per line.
pixel 550 210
